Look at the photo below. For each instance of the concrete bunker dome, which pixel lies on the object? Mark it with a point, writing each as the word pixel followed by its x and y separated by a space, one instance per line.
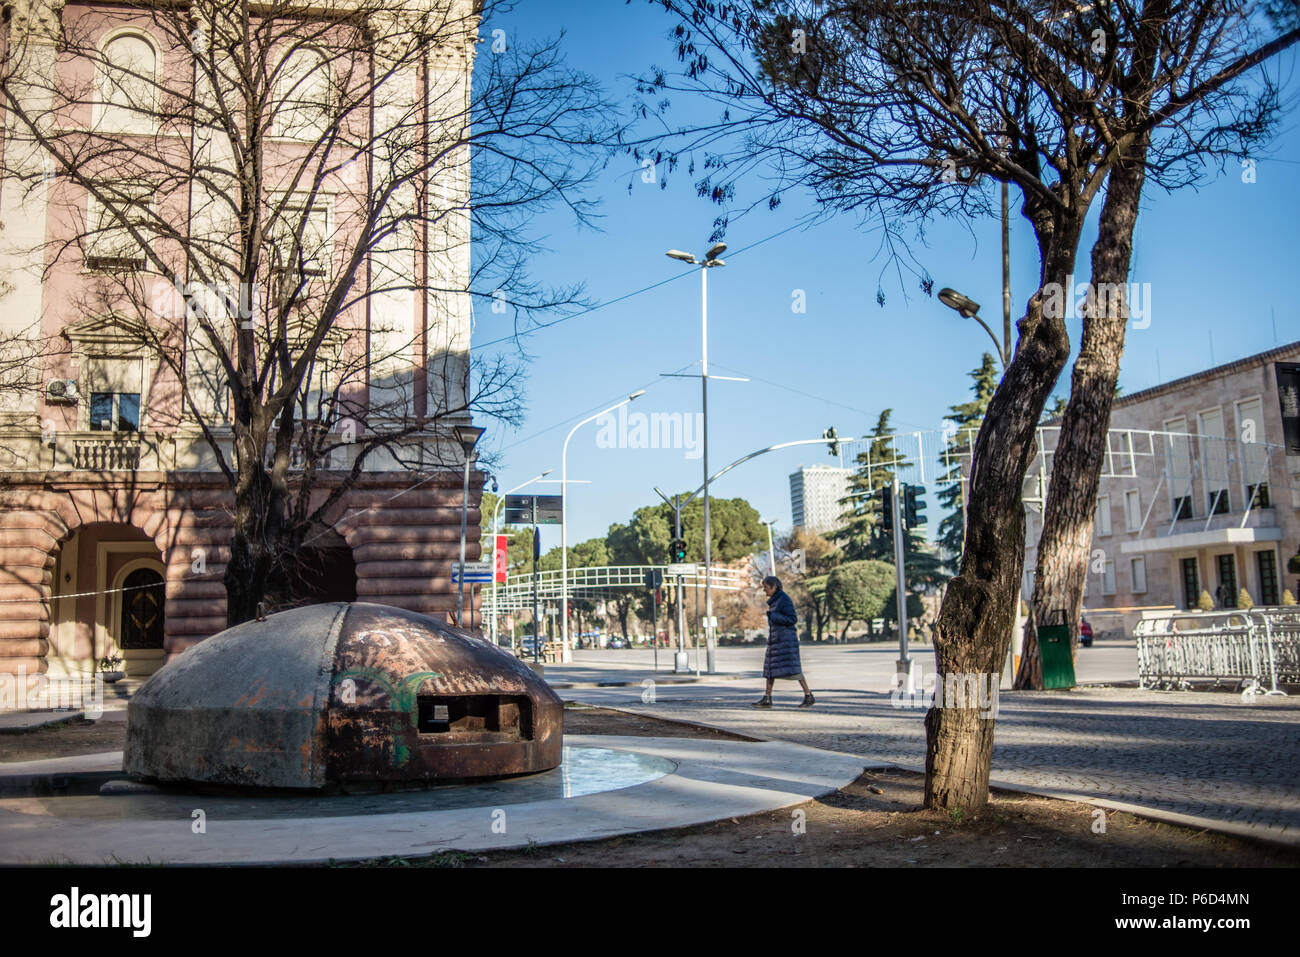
pixel 342 692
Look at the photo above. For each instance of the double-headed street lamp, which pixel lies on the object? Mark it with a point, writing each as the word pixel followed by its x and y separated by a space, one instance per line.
pixel 564 520
pixel 709 261
pixel 467 436
pixel 677 503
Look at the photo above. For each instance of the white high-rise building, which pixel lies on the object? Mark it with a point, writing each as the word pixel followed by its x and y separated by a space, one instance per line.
pixel 815 493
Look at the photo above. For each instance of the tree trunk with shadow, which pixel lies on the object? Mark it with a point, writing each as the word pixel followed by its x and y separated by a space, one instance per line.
pixel 1063 549
pixel 975 621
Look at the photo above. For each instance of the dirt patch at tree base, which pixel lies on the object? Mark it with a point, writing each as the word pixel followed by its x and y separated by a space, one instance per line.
pixel 858 827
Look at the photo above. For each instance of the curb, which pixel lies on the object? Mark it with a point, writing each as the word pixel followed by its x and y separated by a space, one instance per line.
pixel 636 683
pixel 26 721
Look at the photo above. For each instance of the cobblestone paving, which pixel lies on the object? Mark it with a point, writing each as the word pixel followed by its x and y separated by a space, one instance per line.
pixel 1204 754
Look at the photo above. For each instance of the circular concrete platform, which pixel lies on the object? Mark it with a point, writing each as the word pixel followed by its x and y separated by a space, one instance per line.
pixel 607 785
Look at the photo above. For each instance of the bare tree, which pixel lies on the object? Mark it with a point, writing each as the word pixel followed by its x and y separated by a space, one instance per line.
pixel 894 111
pixel 277 199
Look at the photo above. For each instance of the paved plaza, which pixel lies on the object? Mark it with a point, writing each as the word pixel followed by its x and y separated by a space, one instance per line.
pixel 1203 758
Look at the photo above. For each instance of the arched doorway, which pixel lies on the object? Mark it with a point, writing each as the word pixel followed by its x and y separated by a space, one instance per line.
pixel 91 569
pixel 137 616
pixel 140 625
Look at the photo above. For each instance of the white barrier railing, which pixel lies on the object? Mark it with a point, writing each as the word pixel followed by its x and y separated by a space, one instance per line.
pixel 1257 647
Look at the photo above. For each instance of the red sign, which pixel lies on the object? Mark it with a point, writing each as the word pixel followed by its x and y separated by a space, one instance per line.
pixel 499 556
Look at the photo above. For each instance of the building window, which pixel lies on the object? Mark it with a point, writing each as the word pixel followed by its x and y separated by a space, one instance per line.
pixel 1266 565
pixel 115 387
pixel 1227 591
pixel 295 261
pixel 1251 451
pixel 303 94
pixel 1138 569
pixel 1102 526
pixel 117 221
pixel 1133 509
pixel 1182 507
pixel 1257 496
pixel 1191 584
pixel 1214 460
pixel 115 411
pixel 1108 578
pixel 128 83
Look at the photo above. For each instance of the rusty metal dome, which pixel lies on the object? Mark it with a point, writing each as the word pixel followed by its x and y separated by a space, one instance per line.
pixel 342 693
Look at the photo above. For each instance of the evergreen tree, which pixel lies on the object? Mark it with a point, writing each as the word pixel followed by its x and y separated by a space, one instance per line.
pixel 862 535
pixel 967 417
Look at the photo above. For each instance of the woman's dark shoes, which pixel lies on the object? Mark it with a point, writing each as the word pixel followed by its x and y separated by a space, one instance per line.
pixel 808 700
pixel 763 702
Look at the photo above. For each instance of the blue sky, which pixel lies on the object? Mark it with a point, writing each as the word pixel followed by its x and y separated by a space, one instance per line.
pixel 1220 261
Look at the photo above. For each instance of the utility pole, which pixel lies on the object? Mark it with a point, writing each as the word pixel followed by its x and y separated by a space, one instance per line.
pixel 681 662
pixel 907 680
pixel 537 551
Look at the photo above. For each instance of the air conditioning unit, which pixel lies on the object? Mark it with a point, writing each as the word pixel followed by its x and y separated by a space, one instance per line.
pixel 61 390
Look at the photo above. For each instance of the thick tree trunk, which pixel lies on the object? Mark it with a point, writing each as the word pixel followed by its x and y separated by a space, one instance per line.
pixel 260 501
pixel 1063 550
pixel 245 579
pixel 973 631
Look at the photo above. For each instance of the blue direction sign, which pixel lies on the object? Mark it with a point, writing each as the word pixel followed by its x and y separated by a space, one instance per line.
pixel 474 571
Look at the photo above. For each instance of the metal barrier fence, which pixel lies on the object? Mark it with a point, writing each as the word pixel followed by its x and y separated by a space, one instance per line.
pixel 1255 648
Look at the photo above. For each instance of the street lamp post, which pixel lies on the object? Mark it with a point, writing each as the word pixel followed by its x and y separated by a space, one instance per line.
pixel 970 309
pixel 710 261
pixel 678 503
pixel 467 436
pixel 771 552
pixel 496 530
pixel 564 521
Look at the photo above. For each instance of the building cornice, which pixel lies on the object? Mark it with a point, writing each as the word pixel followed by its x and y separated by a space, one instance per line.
pixel 1290 350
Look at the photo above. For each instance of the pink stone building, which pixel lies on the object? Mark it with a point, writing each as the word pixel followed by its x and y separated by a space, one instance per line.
pixel 115 523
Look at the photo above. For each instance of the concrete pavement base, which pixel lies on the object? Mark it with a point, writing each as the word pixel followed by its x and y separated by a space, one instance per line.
pixel 704 781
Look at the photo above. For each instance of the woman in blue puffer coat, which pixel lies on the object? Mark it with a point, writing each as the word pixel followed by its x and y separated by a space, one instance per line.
pixel 782 658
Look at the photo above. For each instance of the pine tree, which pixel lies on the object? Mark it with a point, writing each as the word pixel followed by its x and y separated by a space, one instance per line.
pixel 967 417
pixel 862 535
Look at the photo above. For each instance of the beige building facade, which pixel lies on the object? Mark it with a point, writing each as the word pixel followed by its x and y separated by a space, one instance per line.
pixel 1199 495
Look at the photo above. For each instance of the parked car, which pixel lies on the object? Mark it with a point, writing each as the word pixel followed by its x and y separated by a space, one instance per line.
pixel 617 643
pixel 1085 633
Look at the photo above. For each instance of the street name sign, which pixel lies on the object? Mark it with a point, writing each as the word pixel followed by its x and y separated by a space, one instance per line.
pixel 474 571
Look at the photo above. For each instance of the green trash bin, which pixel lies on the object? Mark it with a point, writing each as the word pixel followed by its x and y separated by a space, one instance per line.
pixel 1054 650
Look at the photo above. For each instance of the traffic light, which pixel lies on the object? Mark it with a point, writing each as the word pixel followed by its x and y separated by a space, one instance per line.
pixel 913 507
pixel 887 508
pixel 832 441
pixel 654 577
pixel 677 550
